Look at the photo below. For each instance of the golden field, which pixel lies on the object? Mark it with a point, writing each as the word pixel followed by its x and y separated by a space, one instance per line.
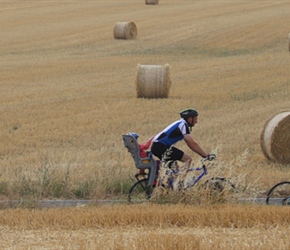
pixel 67 94
pixel 146 227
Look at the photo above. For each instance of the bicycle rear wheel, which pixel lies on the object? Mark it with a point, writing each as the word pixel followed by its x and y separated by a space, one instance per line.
pixel 140 192
pixel 279 194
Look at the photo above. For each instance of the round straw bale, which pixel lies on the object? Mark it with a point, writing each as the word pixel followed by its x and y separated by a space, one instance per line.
pixel 153 81
pixel 151 2
pixel 125 30
pixel 275 138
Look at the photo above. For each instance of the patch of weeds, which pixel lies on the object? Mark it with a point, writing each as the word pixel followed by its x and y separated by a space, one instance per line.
pixel 84 189
pixel 51 184
pixel 117 186
pixel 4 188
pixel 58 189
pixel 27 187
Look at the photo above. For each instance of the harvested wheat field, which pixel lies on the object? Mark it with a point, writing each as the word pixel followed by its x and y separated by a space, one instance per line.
pixel 147 227
pixel 68 93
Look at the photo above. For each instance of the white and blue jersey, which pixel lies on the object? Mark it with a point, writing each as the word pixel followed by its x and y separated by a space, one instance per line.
pixel 173 133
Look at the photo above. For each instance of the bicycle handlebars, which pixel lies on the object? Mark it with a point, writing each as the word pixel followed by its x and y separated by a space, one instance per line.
pixel 203 160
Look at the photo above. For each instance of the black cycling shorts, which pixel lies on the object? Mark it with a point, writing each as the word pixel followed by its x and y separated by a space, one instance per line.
pixel 167 154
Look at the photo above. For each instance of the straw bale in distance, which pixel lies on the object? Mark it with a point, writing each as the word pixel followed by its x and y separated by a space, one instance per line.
pixel 151 2
pixel 125 30
pixel 275 138
pixel 153 81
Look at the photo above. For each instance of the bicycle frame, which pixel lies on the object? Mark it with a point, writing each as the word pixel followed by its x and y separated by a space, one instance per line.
pixel 141 191
pixel 143 175
pixel 175 179
pixel 204 172
pixel 172 174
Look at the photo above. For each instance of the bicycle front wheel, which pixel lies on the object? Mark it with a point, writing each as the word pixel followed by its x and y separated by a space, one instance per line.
pixel 140 192
pixel 279 194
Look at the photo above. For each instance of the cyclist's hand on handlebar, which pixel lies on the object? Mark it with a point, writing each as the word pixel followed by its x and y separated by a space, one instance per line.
pixel 211 157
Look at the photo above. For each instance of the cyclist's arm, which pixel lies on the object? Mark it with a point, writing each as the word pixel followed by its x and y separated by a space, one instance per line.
pixel 193 145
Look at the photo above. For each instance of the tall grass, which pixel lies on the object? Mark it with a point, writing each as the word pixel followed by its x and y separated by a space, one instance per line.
pixel 98 182
pixel 67 182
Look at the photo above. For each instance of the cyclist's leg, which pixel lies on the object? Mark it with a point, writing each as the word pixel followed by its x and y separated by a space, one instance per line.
pixel 158 149
pixel 178 155
pixel 152 175
pixel 169 155
pixel 186 159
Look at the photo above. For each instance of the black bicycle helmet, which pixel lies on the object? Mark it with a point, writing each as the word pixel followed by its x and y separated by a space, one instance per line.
pixel 186 113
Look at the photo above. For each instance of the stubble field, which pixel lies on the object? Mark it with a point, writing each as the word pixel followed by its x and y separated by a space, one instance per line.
pixel 67 94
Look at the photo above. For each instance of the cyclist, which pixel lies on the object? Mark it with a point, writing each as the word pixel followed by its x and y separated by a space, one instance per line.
pixel 162 144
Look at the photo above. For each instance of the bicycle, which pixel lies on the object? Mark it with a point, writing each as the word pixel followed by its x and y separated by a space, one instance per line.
pixel 141 192
pixel 279 194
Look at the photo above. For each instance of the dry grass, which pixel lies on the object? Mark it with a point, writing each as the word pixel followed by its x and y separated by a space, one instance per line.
pixel 147 226
pixel 148 215
pixel 67 95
